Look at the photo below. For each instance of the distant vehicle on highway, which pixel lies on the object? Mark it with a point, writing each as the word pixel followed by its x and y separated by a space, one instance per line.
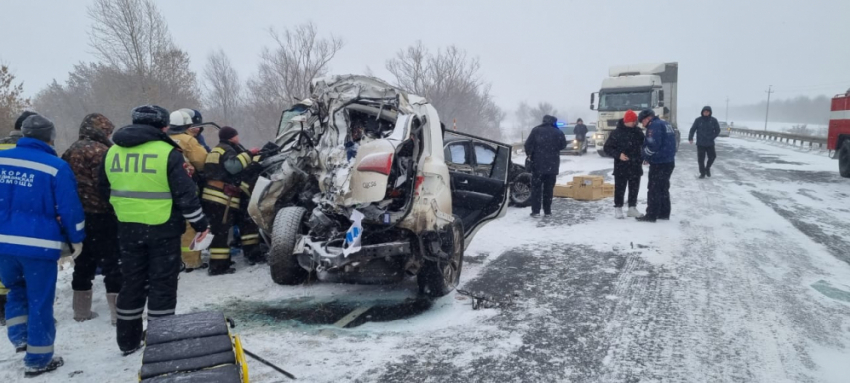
pixel 725 130
pixel 573 145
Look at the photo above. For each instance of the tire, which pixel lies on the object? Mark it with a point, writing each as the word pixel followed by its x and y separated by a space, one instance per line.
pixel 602 153
pixel 844 160
pixel 287 228
pixel 437 279
pixel 521 190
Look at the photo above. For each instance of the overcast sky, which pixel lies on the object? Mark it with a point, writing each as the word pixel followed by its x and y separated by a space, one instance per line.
pixel 556 51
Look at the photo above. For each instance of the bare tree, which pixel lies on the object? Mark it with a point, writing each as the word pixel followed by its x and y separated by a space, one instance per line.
pixel 223 91
pixel 12 101
pixel 285 72
pixel 449 80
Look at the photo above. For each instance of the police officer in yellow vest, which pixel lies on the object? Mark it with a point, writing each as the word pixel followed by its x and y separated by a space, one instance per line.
pixel 145 177
pixel 230 171
pixel 9 143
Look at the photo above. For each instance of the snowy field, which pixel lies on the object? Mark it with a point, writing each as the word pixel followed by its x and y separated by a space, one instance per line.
pixel 749 282
pixel 815 129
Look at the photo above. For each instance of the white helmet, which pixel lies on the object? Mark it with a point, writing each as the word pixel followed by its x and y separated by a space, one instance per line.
pixel 180 118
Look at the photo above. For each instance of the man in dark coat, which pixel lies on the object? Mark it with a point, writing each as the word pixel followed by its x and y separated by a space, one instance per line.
pixel 659 150
pixel 706 129
pixel 543 148
pixel 625 146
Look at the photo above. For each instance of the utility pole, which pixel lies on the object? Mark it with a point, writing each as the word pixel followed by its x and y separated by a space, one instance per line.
pixel 767 112
pixel 727 109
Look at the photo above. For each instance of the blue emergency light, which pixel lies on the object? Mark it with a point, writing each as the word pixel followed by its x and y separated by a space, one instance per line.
pixel 560 124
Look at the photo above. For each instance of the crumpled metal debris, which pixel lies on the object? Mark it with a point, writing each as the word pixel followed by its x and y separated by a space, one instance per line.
pixel 487 301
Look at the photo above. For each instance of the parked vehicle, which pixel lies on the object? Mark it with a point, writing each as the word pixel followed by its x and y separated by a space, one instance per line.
pixel 636 87
pixel 477 156
pixel 725 130
pixel 360 191
pixel 838 139
pixel 574 146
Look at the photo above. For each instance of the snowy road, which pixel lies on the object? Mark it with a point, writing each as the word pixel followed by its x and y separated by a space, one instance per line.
pixel 749 282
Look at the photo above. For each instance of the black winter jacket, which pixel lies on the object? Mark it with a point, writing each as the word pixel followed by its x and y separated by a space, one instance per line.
pixel 628 141
pixel 543 147
pixel 581 132
pixel 183 190
pixel 706 129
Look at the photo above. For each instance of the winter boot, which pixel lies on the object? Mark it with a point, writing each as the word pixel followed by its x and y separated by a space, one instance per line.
pixel 646 219
pixel 702 176
pixel 213 272
pixel 618 213
pixel 634 213
pixel 708 172
pixel 112 299
pixel 30 372
pixel 82 306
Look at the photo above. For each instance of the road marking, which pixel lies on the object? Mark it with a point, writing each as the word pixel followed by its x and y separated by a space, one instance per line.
pixel 352 316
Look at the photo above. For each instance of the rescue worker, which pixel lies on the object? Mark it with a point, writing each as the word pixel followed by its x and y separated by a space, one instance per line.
pixel 185 135
pixel 625 146
pixel 229 173
pixel 5 144
pixel 153 195
pixel 543 148
pixel 101 245
pixel 707 129
pixel 659 150
pixel 197 120
pixel 39 211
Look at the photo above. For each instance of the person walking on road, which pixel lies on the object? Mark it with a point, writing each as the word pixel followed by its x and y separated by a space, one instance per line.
pixel 230 176
pixel 145 177
pixel 659 150
pixel 543 148
pixel 707 129
pixel 625 146
pixel 101 245
pixel 7 143
pixel 186 136
pixel 39 211
pixel 580 132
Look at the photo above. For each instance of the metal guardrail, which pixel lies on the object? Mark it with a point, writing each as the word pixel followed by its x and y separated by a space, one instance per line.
pixel 783 137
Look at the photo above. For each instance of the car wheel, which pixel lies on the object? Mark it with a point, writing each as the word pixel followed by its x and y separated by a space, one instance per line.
pixel 287 229
pixel 521 190
pixel 844 159
pixel 438 278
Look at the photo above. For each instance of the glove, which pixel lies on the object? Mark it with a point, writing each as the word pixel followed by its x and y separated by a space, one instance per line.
pixel 78 249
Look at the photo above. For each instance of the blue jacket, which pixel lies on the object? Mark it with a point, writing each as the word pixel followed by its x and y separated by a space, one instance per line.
pixel 660 144
pixel 37 192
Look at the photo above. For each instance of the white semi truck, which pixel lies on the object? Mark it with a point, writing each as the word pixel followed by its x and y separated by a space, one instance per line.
pixel 635 87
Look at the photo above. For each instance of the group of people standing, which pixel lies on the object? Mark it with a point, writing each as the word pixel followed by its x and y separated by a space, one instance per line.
pixel 631 149
pixel 121 202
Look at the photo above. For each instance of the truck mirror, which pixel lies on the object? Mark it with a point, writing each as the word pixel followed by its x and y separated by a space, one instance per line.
pixel 660 98
pixel 592 101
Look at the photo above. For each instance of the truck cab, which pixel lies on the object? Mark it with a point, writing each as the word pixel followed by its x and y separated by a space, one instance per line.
pixel 635 87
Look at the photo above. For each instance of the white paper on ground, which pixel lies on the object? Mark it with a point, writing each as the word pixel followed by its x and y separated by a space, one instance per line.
pixel 203 245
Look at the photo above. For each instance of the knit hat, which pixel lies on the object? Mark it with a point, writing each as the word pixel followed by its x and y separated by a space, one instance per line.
pixel 96 126
pixel 152 115
pixel 631 116
pixel 23 117
pixel 227 133
pixel 38 127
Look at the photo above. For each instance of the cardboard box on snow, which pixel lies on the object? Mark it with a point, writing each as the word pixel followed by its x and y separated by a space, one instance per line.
pixel 607 190
pixel 564 191
pixel 588 193
pixel 588 180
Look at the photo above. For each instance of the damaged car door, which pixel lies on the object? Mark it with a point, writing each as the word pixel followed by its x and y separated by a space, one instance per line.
pixel 479 194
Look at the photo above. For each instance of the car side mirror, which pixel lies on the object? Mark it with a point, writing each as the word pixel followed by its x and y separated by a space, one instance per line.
pixel 660 98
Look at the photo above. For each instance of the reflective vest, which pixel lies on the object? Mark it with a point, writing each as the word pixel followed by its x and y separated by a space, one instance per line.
pixel 7 146
pixel 139 180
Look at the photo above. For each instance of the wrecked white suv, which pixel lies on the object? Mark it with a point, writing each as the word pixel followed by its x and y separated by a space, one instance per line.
pixel 360 191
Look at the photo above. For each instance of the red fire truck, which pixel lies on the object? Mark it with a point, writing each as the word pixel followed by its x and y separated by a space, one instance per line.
pixel 838 142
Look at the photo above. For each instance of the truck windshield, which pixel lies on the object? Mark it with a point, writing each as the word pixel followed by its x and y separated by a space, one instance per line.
pixel 610 102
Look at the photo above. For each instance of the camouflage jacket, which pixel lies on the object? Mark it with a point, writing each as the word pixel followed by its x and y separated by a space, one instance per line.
pixel 85 157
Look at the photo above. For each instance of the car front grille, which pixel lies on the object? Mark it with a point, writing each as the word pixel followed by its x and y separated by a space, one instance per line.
pixel 612 122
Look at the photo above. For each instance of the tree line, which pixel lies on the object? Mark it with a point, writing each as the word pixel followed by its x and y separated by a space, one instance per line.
pixel 139 62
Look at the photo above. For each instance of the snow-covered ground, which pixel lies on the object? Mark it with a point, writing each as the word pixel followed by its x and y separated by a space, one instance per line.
pixel 749 282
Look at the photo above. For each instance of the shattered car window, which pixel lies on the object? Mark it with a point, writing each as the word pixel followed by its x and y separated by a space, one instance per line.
pixel 484 155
